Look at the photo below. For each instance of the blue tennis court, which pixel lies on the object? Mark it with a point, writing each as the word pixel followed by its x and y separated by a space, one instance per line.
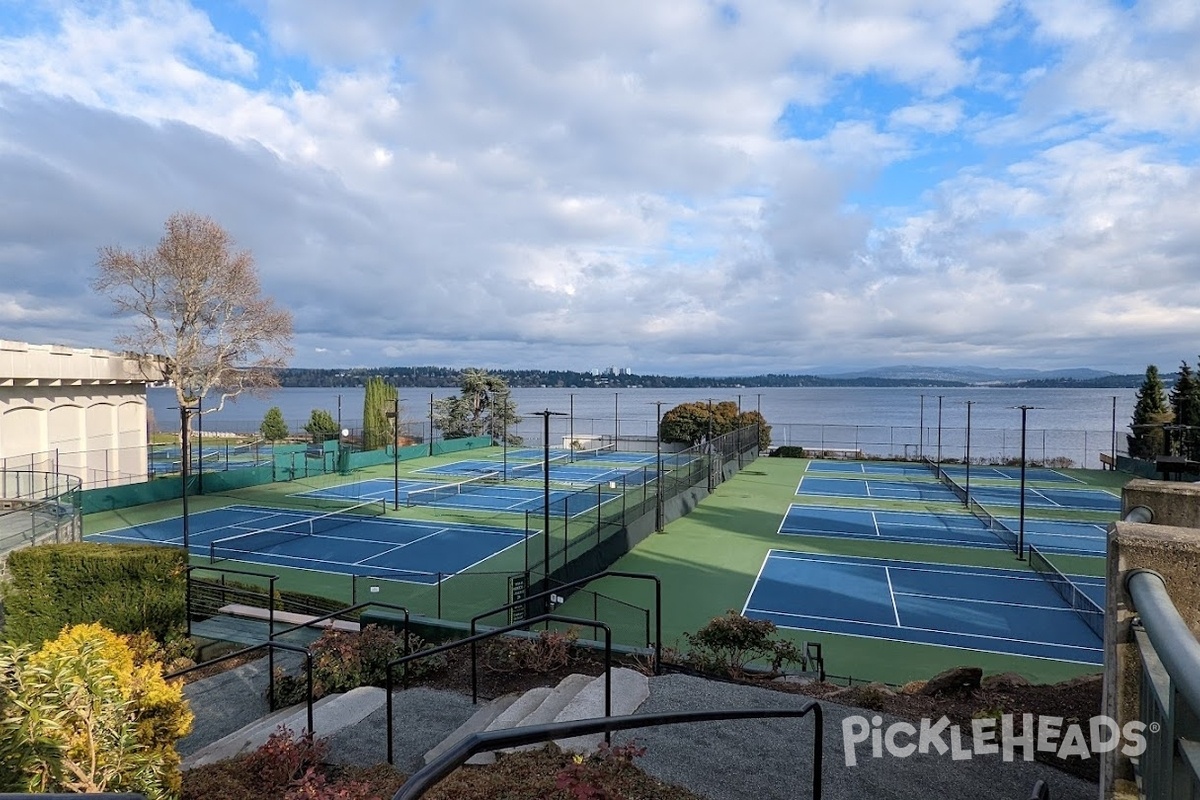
pixel 402 549
pixel 957 530
pixel 1008 611
pixel 956 471
pixel 481 497
pixel 1035 497
pixel 560 472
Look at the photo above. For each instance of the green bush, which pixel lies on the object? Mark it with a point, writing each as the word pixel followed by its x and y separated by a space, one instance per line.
pixel 730 643
pixel 344 660
pixel 788 451
pixel 94 715
pixel 128 588
pixel 547 652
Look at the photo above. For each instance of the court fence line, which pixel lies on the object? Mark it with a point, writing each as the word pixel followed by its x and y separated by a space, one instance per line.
pixel 38 508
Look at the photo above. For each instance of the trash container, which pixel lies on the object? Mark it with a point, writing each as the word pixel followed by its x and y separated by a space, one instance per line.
pixel 344 460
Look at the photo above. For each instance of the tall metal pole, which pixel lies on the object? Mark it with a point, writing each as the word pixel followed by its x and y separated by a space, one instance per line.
pixel 200 446
pixel 939 439
pixel 396 453
pixel 546 501
pixel 739 405
pixel 431 423
pixel 339 412
pixel 1021 531
pixel 1114 433
pixel 658 473
pixel 760 404
pixel 616 418
pixel 967 458
pixel 571 432
pixel 183 471
pixel 708 446
pixel 505 434
pixel 921 439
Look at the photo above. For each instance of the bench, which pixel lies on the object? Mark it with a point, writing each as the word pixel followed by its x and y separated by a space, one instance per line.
pixel 287 617
pixel 1108 461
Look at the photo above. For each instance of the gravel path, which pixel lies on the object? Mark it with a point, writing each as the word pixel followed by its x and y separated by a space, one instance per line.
pixel 759 759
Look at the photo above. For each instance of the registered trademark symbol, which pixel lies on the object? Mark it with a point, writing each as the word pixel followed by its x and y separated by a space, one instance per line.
pixel 1155 727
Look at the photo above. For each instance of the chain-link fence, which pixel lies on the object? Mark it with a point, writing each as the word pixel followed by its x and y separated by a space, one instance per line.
pixel 37 508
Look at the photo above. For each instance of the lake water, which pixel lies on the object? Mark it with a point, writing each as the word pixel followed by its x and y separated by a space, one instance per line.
pixel 1070 423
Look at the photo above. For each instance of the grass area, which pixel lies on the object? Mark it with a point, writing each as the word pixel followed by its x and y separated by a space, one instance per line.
pixel 707 561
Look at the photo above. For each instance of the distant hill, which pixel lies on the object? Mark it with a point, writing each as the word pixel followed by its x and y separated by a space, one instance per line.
pixel 976 375
pixel 915 376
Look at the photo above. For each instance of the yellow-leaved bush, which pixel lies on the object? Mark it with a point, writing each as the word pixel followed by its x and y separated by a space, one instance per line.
pixel 90 712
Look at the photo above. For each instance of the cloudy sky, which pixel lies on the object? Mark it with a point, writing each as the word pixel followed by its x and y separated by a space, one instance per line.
pixel 689 187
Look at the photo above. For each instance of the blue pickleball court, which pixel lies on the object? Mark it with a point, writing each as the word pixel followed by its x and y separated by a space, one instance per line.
pixel 931 491
pixel 945 528
pixel 475 497
pixel 401 549
pixel 1008 611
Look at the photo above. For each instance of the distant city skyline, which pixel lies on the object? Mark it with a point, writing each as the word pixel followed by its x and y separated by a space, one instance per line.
pixel 686 188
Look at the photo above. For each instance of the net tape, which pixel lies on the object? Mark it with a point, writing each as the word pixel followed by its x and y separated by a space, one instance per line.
pixel 444 491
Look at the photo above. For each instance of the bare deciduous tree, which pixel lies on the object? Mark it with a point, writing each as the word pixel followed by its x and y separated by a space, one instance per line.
pixel 201 318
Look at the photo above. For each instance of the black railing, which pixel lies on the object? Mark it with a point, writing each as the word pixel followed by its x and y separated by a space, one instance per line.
pixel 472 640
pixel 271 647
pixel 611 573
pixel 316 621
pixel 425 778
pixel 188 590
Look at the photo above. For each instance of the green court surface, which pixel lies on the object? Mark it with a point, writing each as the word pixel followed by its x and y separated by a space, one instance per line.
pixel 708 562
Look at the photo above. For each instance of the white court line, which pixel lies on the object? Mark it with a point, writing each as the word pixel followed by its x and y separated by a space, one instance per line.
pixel 892 596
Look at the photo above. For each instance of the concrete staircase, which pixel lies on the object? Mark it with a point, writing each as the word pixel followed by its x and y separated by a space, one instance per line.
pixel 355 722
pixel 330 715
pixel 575 697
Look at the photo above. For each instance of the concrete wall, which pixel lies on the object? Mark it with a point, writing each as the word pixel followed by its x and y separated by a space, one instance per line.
pixel 1169 545
pixel 76 411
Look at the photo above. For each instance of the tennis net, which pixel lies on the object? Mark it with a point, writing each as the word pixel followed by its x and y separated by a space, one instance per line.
pixel 253 541
pixel 444 491
pixel 1002 531
pixel 945 478
pixel 1080 603
pixel 534 469
pixel 594 452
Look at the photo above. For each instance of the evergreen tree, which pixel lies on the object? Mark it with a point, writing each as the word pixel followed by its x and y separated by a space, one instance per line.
pixel 484 406
pixel 321 426
pixel 273 428
pixel 1185 402
pixel 379 400
pixel 1150 413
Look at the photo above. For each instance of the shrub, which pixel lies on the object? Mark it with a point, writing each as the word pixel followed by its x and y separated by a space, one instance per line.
pixel 95 715
pixel 728 644
pixel 788 451
pixel 127 588
pixel 344 660
pixel 547 652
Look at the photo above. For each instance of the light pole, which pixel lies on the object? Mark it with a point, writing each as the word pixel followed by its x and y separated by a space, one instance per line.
pixel 395 415
pixel 939 439
pixel 1113 450
pixel 571 431
pixel 1021 513
pixel 967 458
pixel 708 446
pixel 504 427
pixel 185 413
pixel 200 445
pixel 616 418
pixel 431 423
pixel 546 415
pixel 921 438
pixel 658 476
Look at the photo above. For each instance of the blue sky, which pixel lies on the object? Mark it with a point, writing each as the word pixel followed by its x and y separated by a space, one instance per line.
pixel 690 188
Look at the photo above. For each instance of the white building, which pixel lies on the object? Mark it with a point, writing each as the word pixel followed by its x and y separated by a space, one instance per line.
pixel 75 411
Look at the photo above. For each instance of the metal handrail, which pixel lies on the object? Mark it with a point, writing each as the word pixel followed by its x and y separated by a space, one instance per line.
pixel 271 646
pixel 471 640
pixel 187 589
pixel 426 777
pixel 581 581
pixel 1171 637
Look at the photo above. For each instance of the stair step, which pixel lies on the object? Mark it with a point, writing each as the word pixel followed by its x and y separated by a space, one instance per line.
pixel 330 715
pixel 478 722
pixel 629 690
pixel 513 717
pixel 550 708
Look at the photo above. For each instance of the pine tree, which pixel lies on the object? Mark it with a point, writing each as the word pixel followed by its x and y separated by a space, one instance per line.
pixel 1185 402
pixel 321 426
pixel 484 406
pixel 273 427
pixel 1150 413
